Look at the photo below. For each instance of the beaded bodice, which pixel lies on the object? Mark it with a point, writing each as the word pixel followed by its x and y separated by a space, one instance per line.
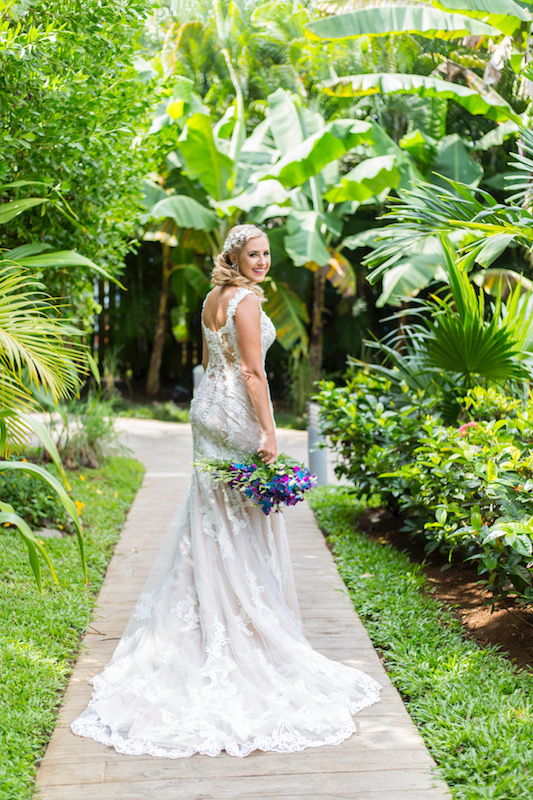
pixel 223 418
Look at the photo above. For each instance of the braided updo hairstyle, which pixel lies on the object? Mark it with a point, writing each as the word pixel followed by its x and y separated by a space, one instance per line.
pixel 227 274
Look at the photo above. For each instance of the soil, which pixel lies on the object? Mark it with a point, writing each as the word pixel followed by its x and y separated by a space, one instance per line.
pixel 508 626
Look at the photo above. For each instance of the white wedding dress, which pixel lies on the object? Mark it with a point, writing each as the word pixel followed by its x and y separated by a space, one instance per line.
pixel 214 658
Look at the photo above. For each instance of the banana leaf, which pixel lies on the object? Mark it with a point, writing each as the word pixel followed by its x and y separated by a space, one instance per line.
pixel 491 105
pixel 203 160
pixel 309 157
pixel 394 18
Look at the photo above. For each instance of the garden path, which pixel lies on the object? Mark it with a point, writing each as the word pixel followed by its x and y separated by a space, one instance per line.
pixel 385 760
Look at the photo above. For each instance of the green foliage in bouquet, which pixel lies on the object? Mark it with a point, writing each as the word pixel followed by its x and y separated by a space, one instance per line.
pixel 269 486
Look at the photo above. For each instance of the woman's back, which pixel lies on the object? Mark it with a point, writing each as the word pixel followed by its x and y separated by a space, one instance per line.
pixel 215 308
pixel 222 415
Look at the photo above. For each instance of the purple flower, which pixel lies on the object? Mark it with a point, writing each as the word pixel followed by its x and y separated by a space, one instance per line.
pixel 269 486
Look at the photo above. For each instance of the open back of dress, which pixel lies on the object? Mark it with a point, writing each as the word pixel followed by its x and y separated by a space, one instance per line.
pixel 215 658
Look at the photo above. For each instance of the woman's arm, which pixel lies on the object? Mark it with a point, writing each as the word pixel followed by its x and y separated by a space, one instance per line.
pixel 248 328
pixel 205 354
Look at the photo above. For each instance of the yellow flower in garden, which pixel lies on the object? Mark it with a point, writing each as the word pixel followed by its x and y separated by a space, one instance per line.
pixel 24 459
pixel 61 527
pixel 79 505
pixel 82 477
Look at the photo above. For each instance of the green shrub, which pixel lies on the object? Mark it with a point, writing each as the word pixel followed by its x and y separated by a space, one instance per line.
pixel 84 432
pixel 372 428
pixel 469 488
pixel 473 708
pixel 487 404
pixel 33 500
pixel 466 489
pixel 40 633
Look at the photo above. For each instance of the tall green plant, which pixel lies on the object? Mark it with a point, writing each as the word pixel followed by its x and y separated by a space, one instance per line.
pixel 41 353
pixel 72 103
pixel 462 336
pixel 279 171
pixel 320 193
pixel 459 340
pixel 38 350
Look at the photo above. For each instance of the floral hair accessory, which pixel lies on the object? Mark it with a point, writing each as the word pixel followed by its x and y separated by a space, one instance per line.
pixel 268 486
pixel 240 236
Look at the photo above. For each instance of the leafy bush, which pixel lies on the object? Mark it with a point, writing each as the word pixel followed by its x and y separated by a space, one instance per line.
pixel 40 633
pixel 466 489
pixel 33 500
pixel 373 428
pixel 487 404
pixel 85 433
pixel 470 488
pixel 472 707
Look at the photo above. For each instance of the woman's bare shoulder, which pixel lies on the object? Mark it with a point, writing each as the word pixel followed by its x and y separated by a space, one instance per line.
pixel 220 293
pixel 248 307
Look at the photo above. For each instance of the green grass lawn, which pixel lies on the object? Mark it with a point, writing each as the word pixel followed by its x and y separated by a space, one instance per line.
pixel 168 411
pixel 471 705
pixel 40 635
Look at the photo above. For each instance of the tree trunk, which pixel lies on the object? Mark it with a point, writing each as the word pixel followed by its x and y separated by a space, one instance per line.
pixel 153 379
pixel 316 342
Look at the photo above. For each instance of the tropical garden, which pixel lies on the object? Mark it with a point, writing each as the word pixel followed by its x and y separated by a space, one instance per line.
pixel 386 148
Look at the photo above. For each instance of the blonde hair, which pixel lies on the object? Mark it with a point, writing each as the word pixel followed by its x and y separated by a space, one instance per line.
pixel 227 274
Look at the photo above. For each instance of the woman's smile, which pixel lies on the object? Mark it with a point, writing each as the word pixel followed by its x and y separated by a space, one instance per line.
pixel 254 259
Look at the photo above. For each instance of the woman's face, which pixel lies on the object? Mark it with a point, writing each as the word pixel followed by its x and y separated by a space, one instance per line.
pixel 254 259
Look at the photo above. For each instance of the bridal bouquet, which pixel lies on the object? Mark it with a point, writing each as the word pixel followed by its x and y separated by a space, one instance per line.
pixel 269 486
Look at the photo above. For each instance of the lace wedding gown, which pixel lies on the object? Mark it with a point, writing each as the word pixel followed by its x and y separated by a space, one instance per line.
pixel 214 658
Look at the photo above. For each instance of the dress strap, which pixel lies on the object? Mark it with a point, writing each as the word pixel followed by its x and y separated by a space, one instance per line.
pixel 239 295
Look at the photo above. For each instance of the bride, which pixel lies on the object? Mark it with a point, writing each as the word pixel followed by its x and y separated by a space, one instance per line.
pixel 214 658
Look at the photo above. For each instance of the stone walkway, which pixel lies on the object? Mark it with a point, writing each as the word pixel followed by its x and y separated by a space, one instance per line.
pixel 385 760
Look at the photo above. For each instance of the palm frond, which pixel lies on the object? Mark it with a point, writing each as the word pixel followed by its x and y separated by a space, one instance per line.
pixel 522 163
pixel 430 210
pixel 38 349
pixel 460 336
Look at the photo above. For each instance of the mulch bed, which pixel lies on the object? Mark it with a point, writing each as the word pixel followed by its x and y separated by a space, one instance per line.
pixel 508 626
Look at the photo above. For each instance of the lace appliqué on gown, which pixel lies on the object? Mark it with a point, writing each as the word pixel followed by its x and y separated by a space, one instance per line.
pixel 215 659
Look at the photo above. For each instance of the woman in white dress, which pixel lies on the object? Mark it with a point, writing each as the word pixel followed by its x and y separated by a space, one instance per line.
pixel 214 657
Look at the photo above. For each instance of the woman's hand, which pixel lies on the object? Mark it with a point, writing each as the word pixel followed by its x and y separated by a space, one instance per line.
pixel 268 449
